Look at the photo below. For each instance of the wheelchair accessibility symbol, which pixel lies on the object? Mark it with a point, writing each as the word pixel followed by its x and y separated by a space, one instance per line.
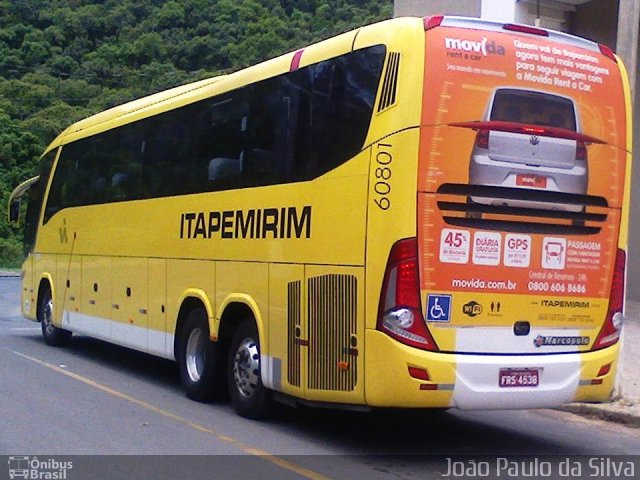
pixel 438 308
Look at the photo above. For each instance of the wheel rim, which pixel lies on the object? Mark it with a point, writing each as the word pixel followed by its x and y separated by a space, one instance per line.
pixel 47 316
pixel 195 354
pixel 246 367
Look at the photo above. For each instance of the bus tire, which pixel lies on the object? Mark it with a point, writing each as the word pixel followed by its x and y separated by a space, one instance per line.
pixel 249 397
pixel 201 361
pixel 53 336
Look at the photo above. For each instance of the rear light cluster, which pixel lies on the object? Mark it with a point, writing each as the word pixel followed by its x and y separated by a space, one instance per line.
pixel 432 21
pixel 515 27
pixel 581 151
pixel 400 311
pixel 482 137
pixel 607 52
pixel 610 332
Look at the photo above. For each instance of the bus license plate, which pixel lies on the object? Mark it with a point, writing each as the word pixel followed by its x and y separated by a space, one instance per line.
pixel 521 377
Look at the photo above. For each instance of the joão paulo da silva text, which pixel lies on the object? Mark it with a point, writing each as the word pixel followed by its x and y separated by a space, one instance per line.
pixel 502 467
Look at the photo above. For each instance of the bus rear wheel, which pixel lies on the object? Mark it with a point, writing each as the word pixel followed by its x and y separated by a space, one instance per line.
pixel 201 361
pixel 54 336
pixel 249 397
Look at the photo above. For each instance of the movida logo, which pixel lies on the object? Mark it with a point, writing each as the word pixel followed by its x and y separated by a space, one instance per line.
pixel 483 47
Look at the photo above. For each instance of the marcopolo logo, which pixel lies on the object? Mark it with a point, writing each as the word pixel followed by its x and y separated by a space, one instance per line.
pixel 33 468
pixel 484 47
pixel 549 341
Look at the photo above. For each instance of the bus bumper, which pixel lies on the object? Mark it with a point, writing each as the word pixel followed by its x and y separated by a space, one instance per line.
pixel 400 376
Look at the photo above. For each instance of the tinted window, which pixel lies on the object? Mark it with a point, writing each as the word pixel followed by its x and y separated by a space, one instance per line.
pixel 288 128
pixel 537 108
pixel 99 169
pixel 34 205
pixel 343 94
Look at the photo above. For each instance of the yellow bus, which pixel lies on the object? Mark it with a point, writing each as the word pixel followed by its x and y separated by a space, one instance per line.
pixel 418 213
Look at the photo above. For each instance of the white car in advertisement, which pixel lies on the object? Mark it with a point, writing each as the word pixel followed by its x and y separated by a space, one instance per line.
pixel 529 139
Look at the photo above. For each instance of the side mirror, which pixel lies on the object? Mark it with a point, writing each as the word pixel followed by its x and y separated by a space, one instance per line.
pixel 14 211
pixel 16 197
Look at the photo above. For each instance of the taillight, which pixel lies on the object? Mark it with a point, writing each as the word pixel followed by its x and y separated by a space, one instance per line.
pixel 528 129
pixel 400 310
pixel 432 22
pixel 607 52
pixel 482 139
pixel 514 27
pixel 531 130
pixel 610 331
pixel 581 151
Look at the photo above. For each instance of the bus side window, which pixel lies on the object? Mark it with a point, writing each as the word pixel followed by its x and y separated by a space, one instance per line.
pixel 125 166
pixel 344 91
pixel 334 109
pixel 268 151
pixel 34 206
pixel 217 141
pixel 98 169
pixel 159 178
pixel 293 127
pixel 64 185
pixel 303 163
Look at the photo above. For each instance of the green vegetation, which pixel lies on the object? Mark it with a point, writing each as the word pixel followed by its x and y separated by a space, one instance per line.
pixel 62 60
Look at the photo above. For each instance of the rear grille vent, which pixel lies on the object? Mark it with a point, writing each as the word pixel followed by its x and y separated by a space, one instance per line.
pixel 293 333
pixel 332 329
pixel 521 210
pixel 390 83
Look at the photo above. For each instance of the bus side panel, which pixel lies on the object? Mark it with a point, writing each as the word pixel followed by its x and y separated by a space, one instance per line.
pixel 335 333
pixel 391 207
pixel 29 289
pixel 626 199
pixel 96 288
pixel 129 283
pixel 398 104
pixel 287 348
pixel 183 275
pixel 44 266
pixel 389 383
pixel 391 217
pixel 160 341
pixel 68 295
pixel 593 385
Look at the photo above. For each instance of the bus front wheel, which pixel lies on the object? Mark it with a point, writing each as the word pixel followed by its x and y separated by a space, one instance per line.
pixel 249 397
pixel 201 361
pixel 54 336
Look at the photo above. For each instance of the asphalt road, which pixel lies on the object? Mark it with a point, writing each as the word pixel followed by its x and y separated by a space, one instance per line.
pixel 94 399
